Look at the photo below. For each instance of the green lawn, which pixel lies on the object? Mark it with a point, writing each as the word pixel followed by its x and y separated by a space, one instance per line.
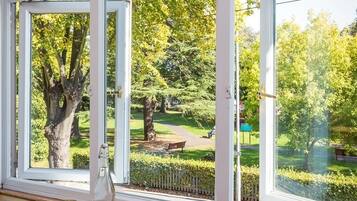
pixel 176 118
pixel 249 156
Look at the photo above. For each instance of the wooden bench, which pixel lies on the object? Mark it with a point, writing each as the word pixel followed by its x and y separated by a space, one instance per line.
pixel 176 145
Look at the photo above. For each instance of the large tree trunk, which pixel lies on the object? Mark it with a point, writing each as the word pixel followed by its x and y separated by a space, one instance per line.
pixel 163 105
pixel 149 132
pixel 58 137
pixel 58 127
pixel 75 131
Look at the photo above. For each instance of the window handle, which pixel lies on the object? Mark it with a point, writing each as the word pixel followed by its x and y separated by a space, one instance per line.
pixel 262 95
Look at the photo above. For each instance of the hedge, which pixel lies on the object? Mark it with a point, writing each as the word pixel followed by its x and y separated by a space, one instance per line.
pixel 330 187
pixel 192 176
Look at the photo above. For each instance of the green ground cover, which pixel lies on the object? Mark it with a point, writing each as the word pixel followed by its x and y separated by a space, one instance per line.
pixel 249 157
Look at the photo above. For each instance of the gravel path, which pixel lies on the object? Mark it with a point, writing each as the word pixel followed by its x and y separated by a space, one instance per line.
pixel 192 140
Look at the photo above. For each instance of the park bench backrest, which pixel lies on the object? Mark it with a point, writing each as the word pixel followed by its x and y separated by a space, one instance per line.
pixel 176 145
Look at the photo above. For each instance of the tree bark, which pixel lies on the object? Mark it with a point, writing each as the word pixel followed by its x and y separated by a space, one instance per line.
pixel 58 127
pixel 75 131
pixel 163 106
pixel 149 131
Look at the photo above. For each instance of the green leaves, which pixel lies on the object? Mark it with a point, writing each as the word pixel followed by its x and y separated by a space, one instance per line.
pixel 316 81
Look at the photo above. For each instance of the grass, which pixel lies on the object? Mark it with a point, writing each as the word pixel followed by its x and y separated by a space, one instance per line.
pixel 176 118
pixel 249 155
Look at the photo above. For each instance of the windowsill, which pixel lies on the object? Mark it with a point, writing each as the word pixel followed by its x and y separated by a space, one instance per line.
pixel 127 194
pixel 70 190
pixel 25 196
pixel 282 196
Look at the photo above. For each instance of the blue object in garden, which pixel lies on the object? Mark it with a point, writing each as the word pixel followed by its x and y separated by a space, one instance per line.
pixel 245 127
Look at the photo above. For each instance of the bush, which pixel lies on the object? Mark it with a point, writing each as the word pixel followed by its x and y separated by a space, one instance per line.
pixel 39 144
pixel 39 148
pixel 331 187
pixel 202 112
pixel 198 177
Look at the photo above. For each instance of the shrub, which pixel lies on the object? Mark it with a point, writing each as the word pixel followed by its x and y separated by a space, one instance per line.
pixel 39 144
pixel 194 176
pixel 39 148
pixel 202 112
pixel 331 187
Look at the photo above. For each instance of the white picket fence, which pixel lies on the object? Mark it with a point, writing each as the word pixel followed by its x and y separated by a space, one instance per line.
pixel 175 180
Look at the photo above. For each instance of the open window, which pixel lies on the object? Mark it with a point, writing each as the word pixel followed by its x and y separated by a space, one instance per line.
pixel 307 106
pixel 56 77
pixel 45 79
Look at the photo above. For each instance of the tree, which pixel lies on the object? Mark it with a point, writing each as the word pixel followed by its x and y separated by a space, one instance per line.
pixel 345 121
pixel 60 66
pixel 314 82
pixel 150 35
pixel 249 75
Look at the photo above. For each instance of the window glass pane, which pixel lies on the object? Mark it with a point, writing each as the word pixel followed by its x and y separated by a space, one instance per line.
pixel 112 87
pixel 316 106
pixel 248 26
pixel 60 84
pixel 172 97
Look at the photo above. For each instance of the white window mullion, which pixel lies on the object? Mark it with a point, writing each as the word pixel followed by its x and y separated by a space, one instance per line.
pixel 224 173
pixel 98 85
pixel 122 103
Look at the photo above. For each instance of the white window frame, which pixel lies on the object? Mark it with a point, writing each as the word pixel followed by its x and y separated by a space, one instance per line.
pixel 225 72
pixel 224 184
pixel 122 103
pixel 8 100
pixel 98 99
pixel 26 9
pixel 267 117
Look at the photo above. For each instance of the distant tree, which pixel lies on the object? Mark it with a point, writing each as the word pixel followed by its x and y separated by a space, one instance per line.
pixel 314 81
pixel 150 35
pixel 345 123
pixel 249 75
